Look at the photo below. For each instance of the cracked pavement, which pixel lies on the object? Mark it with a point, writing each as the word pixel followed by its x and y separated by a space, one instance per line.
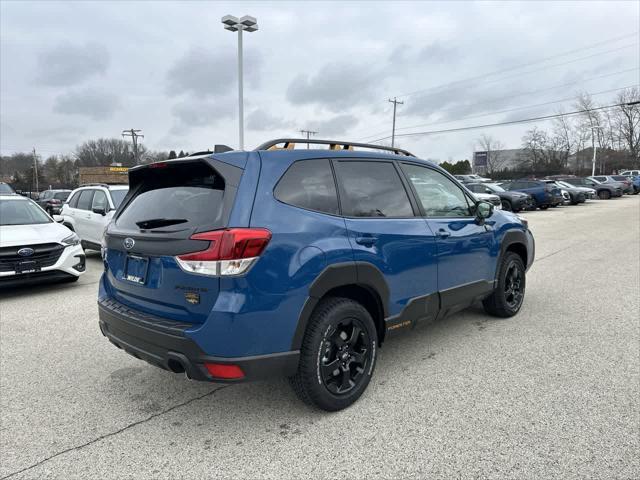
pixel 551 393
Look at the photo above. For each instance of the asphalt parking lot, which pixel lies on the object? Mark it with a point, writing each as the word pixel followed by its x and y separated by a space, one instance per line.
pixel 551 393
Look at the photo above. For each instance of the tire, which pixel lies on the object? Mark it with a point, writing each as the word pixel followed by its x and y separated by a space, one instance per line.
pixel 332 339
pixel 50 212
pixel 506 205
pixel 543 207
pixel 506 300
pixel 604 194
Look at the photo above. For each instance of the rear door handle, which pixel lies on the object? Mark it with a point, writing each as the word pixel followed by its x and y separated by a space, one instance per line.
pixel 443 233
pixel 366 241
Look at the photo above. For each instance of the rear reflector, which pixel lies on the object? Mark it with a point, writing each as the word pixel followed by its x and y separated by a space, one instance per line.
pixel 230 252
pixel 220 370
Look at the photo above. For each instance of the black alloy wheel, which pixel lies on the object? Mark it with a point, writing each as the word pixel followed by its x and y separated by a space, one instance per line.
pixel 338 354
pixel 513 291
pixel 506 205
pixel 346 356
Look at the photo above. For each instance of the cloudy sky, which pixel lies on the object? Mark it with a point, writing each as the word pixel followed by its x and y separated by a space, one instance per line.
pixel 74 71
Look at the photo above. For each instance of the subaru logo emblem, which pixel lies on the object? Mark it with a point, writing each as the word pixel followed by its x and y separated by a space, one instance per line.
pixel 26 252
pixel 129 243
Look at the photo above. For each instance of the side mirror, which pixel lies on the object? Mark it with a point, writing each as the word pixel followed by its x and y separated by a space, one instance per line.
pixel 58 218
pixel 483 211
pixel 101 210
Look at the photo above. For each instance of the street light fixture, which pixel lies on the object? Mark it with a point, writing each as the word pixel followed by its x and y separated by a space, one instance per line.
pixel 235 24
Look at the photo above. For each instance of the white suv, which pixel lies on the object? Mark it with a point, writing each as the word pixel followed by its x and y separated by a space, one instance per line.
pixel 90 208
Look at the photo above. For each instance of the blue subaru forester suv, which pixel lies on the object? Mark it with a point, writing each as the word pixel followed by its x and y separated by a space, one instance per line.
pixel 236 266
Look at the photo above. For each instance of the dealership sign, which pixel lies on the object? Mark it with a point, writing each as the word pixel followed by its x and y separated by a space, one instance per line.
pixel 480 159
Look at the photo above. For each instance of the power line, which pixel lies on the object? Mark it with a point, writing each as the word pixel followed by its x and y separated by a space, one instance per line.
pixel 497 112
pixel 518 67
pixel 395 102
pixel 512 122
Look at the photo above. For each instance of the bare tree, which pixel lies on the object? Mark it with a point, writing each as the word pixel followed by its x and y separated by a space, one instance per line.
pixel 628 121
pixel 495 157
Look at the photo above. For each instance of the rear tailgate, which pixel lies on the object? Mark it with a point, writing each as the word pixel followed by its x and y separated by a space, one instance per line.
pixel 168 203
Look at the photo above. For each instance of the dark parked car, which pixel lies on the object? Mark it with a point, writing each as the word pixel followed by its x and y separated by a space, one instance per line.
pixel 604 191
pixel 576 194
pixel 242 265
pixel 511 201
pixel 544 195
pixel 52 200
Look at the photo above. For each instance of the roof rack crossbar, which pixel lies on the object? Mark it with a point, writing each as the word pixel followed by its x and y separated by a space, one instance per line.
pixel 289 144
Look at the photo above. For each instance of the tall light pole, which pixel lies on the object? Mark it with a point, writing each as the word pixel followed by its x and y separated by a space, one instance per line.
pixel 593 144
pixel 235 24
pixel 393 130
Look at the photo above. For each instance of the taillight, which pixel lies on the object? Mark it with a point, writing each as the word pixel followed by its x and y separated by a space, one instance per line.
pixel 230 252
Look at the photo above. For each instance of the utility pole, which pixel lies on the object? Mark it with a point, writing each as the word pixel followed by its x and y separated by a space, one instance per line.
pixel 308 133
pixel 393 131
pixel 35 169
pixel 134 134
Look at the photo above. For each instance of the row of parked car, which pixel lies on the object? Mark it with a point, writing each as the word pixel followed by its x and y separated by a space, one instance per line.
pixel 532 193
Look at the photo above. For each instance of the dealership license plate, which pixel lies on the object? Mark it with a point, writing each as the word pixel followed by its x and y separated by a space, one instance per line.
pixel 136 269
pixel 27 267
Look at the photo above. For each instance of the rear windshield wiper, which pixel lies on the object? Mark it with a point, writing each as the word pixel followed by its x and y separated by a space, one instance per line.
pixel 160 222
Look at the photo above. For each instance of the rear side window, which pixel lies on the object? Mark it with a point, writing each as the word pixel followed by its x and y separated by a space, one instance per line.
pixel 309 184
pixel 84 202
pixel 180 197
pixel 372 189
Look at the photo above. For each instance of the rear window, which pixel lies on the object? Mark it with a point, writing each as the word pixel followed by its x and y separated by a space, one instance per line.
pixel 176 198
pixel 61 196
pixel 619 177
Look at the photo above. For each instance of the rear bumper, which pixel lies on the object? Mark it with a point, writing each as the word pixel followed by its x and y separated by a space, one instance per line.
pixel 165 344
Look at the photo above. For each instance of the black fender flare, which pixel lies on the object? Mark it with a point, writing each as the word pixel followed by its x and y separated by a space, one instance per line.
pixel 511 237
pixel 363 274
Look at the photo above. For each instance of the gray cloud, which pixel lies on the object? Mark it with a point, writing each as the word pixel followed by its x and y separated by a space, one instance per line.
pixel 336 86
pixel 437 52
pixel 205 73
pixel 192 113
pixel 261 120
pixel 68 64
pixel 92 103
pixel 337 125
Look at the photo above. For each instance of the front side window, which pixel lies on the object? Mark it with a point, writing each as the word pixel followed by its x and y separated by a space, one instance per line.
pixel 372 189
pixel 100 201
pixel 20 212
pixel 439 196
pixel 84 202
pixel 309 184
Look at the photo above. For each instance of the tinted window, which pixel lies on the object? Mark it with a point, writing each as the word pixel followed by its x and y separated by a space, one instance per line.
pixel 601 179
pixel 309 184
pixel 19 212
pixel 84 202
pixel 184 197
pixel 439 196
pixel 100 201
pixel 619 177
pixel 73 202
pixel 477 188
pixel 117 196
pixel 4 188
pixel 372 189
pixel 61 196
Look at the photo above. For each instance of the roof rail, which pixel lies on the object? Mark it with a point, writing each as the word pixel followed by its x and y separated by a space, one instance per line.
pixel 290 144
pixel 94 185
